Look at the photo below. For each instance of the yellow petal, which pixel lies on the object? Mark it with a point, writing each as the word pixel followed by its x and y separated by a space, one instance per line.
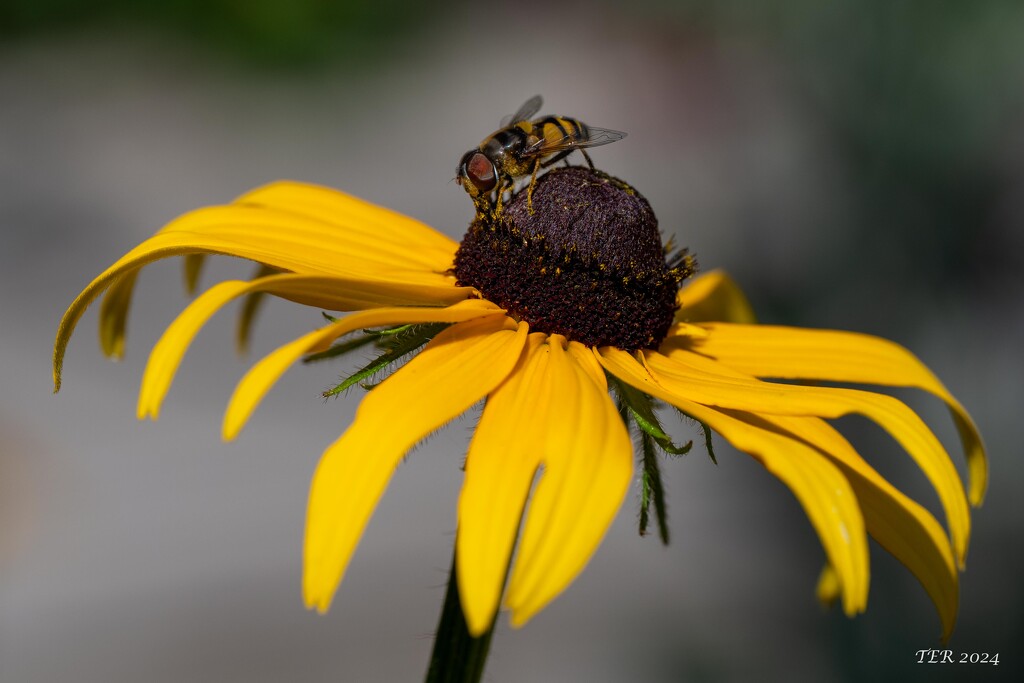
pixel 584 356
pixel 116 301
pixel 251 306
pixel 709 382
pixel 113 317
pixel 301 242
pixel 901 526
pixel 357 245
pixel 588 466
pixel 262 376
pixel 328 292
pixel 713 296
pixel 820 487
pixel 828 589
pixel 795 353
pixel 503 458
pixel 393 232
pixel 458 368
pixel 193 267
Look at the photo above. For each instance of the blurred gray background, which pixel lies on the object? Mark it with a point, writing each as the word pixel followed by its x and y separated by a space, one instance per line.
pixel 855 165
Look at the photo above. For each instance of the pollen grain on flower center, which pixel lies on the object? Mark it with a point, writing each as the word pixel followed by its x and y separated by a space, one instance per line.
pixel 585 261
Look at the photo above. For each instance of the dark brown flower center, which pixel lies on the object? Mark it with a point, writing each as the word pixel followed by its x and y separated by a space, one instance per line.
pixel 586 262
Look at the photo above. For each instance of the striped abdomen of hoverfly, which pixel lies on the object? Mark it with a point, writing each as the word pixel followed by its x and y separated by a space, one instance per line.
pixel 522 148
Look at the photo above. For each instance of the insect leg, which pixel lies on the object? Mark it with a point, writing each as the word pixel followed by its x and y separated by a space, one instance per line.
pixel 558 157
pixel 587 157
pixel 506 184
pixel 482 204
pixel 533 181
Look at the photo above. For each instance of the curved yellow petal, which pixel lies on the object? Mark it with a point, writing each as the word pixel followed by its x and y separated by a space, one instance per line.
pixel 262 376
pixel 818 484
pixel 708 382
pixel 795 353
pixel 713 296
pixel 584 356
pixel 588 465
pixel 328 292
pixel 828 589
pixel 117 298
pixel 357 245
pixel 251 306
pixel 114 317
pixel 391 231
pixel 821 487
pixel 192 267
pixel 455 370
pixel 503 458
pixel 901 526
pixel 288 241
pixel 168 352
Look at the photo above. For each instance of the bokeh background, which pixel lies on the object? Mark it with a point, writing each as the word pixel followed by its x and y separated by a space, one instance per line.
pixel 856 164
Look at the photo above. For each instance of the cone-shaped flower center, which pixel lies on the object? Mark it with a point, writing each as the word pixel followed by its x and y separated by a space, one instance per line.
pixel 586 261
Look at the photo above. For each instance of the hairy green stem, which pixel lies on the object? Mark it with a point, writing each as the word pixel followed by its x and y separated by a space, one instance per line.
pixel 458 657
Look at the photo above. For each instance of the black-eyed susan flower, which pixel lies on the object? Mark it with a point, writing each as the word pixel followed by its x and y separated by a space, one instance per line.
pixel 540 312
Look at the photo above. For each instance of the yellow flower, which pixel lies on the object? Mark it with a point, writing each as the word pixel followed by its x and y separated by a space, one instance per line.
pixel 548 406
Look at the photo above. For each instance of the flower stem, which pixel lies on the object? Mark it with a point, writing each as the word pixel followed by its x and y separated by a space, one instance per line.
pixel 458 657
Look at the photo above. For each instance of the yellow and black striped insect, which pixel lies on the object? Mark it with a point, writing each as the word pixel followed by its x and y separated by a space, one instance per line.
pixel 524 147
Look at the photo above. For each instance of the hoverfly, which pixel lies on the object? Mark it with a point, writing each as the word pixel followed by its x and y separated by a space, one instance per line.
pixel 524 147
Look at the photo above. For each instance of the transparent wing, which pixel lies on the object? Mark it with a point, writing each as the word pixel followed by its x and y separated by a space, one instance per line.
pixel 595 138
pixel 529 108
pixel 601 136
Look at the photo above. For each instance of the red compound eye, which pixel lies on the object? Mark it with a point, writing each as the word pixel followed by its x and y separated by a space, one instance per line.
pixel 480 171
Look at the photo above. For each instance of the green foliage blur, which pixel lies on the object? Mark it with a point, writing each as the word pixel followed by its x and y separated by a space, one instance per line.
pixel 922 101
pixel 285 33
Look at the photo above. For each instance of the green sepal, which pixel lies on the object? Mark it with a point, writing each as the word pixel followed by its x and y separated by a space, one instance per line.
pixel 641 410
pixel 395 346
pixel 341 348
pixel 388 331
pixel 708 445
pixel 637 408
pixel 652 490
pixel 707 442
